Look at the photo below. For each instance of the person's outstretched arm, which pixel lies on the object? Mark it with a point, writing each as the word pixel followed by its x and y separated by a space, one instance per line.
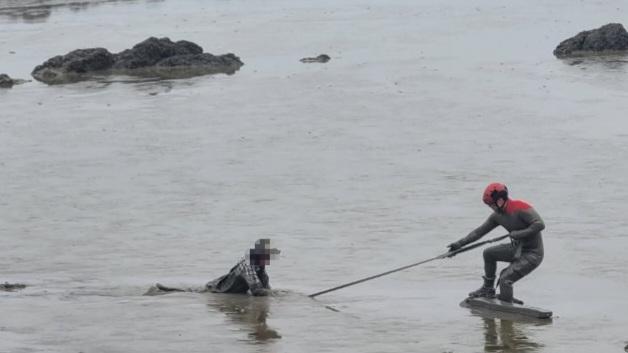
pixel 475 234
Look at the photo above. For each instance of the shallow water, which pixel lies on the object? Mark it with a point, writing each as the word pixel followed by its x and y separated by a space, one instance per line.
pixel 372 161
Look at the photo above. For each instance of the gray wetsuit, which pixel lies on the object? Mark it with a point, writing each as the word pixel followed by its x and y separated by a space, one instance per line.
pixel 524 253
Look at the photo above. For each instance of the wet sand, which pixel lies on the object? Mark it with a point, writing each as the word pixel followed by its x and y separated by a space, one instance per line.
pixel 371 161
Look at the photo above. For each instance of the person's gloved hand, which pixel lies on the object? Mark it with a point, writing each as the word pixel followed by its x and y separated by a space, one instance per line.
pixel 454 246
pixel 515 234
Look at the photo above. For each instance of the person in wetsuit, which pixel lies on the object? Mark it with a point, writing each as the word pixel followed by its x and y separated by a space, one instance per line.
pixel 525 251
pixel 249 274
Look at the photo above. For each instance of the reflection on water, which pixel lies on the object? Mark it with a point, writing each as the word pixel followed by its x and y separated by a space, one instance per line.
pixel 508 336
pixel 509 332
pixel 248 312
pixel 31 15
pixel 614 62
pixel 37 11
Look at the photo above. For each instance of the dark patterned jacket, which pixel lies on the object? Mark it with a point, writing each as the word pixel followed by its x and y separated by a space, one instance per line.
pixel 243 277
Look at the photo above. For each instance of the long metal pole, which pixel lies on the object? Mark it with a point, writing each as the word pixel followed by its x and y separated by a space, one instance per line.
pixel 442 256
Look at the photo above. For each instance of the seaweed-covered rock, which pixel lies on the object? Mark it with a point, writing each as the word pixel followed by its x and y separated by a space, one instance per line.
pixel 200 59
pixel 152 51
pixel 8 82
pixel 199 64
pixel 74 65
pixel 608 38
pixel 323 58
pixel 11 287
pixel 153 57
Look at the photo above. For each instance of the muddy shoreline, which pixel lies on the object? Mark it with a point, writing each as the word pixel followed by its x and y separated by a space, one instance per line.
pixel 370 161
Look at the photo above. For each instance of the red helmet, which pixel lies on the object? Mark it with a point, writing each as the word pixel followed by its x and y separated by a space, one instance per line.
pixel 494 192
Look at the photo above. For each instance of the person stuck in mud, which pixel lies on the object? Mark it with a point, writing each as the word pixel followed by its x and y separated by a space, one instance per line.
pixel 524 253
pixel 249 274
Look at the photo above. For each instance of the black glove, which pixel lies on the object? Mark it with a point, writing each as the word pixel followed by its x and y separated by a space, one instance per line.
pixel 454 246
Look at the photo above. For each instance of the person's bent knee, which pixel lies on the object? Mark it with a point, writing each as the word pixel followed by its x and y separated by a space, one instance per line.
pixel 510 276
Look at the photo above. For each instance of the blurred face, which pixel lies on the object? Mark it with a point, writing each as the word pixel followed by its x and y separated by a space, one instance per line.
pixel 498 206
pixel 261 254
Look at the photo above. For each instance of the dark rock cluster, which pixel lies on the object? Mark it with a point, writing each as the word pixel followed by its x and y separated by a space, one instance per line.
pixel 153 57
pixel 6 81
pixel 609 38
pixel 152 51
pixel 323 58
pixel 10 287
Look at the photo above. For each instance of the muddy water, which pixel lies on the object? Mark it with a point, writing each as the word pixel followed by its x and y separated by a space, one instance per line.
pixel 372 161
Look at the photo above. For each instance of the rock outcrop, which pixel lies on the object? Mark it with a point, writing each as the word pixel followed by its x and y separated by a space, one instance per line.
pixel 11 287
pixel 74 65
pixel 152 57
pixel 323 58
pixel 6 81
pixel 610 38
pixel 151 51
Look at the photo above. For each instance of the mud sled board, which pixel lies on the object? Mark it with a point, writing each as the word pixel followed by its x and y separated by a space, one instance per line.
pixel 498 306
